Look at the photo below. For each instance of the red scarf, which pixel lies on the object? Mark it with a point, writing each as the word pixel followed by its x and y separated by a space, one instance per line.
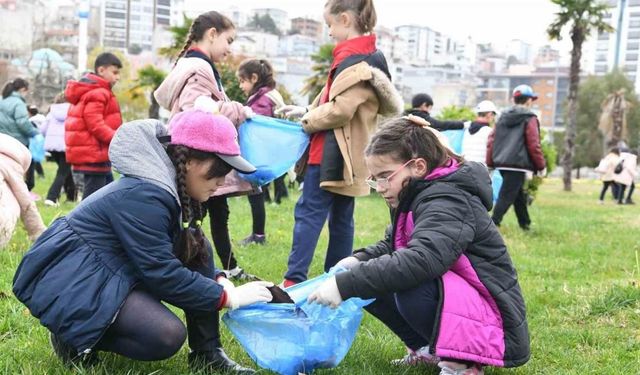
pixel 362 45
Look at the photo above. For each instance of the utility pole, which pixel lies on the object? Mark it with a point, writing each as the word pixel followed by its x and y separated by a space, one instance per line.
pixel 616 58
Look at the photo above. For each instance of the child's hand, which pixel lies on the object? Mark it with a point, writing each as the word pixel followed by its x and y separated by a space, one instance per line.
pixel 292 111
pixel 348 262
pixel 327 294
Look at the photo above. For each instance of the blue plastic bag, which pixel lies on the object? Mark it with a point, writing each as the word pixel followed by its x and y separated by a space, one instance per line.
pixel 272 145
pixel 290 338
pixel 36 147
pixel 455 139
pixel 496 184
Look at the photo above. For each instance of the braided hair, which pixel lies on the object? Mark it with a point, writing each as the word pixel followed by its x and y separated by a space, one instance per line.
pixel 191 247
pixel 201 25
pixel 262 69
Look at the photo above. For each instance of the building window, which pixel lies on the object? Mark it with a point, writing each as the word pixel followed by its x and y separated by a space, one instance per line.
pixel 601 68
pixel 630 68
pixel 549 95
pixel 633 3
pixel 603 36
pixel 633 35
pixel 634 23
pixel 114 15
pixel 631 57
pixel 633 46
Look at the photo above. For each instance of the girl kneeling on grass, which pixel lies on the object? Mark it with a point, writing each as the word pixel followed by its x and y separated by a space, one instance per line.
pixel 97 277
pixel 442 278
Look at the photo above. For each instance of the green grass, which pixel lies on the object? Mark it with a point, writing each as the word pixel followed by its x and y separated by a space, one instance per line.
pixel 577 268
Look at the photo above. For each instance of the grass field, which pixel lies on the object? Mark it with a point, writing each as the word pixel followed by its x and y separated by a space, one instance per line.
pixel 578 268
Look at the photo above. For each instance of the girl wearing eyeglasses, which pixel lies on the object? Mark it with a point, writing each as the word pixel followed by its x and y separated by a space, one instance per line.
pixel 442 278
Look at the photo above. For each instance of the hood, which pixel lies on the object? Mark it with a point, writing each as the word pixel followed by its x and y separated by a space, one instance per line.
pixel 135 151
pixel 471 177
pixel 76 89
pixel 12 148
pixel 515 116
pixel 476 126
pixel 59 111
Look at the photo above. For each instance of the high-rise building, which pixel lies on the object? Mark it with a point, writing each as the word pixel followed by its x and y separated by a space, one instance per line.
pixel 521 50
pixel 130 24
pixel 627 55
pixel 307 27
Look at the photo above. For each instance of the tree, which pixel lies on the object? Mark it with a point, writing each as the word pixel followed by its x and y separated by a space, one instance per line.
pixel 179 36
pixel 456 113
pixel 149 79
pixel 613 121
pixel 264 23
pixel 581 16
pixel 322 59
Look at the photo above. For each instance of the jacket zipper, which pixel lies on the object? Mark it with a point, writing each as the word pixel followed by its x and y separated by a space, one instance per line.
pixel 436 321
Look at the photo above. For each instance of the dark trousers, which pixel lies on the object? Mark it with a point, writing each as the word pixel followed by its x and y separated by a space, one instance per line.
pixel 258 213
pixel 631 189
pixel 147 330
pixel 29 177
pixel 280 190
pixel 218 208
pixel 512 193
pixel 38 168
pixel 409 314
pixel 63 178
pixel 313 208
pixel 94 182
pixel 605 187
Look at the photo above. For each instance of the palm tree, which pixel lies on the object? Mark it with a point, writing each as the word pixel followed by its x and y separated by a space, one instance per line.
pixel 314 84
pixel 179 34
pixel 582 16
pixel 149 78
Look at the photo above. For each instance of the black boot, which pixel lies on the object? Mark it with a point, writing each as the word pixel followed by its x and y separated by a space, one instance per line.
pixel 69 356
pixel 216 362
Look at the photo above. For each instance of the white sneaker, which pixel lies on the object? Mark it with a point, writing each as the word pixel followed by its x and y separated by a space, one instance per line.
pixel 454 368
pixel 50 203
pixel 417 357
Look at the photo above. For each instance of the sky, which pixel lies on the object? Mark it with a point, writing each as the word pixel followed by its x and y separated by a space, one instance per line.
pixel 484 20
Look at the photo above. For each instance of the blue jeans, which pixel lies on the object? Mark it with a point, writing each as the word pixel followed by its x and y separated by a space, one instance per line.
pixel 312 210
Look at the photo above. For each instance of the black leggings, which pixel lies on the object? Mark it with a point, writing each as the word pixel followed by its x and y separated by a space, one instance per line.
pixel 218 208
pixel 63 178
pixel 605 187
pixel 258 212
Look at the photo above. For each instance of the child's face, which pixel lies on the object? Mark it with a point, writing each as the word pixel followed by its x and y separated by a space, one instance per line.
pixel 199 187
pixel 219 46
pixel 246 84
pixel 391 175
pixel 341 26
pixel 109 73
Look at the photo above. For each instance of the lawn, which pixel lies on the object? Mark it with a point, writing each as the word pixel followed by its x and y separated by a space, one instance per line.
pixel 577 267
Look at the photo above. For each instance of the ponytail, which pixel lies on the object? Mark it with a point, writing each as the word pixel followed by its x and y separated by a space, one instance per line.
pixel 363 10
pixel 262 69
pixel 14 85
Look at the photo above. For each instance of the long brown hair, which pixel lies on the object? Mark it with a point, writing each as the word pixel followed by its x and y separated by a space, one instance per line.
pixel 201 24
pixel 363 10
pixel 191 248
pixel 262 69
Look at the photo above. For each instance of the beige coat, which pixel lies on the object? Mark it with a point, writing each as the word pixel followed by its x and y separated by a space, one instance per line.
pixel 607 166
pixel 15 200
pixel 359 94
pixel 193 77
pixel 629 169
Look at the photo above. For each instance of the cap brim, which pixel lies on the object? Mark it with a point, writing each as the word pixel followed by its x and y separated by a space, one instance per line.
pixel 238 163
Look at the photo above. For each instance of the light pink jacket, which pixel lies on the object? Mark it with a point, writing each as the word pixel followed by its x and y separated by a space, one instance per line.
pixel 14 194
pixel 193 77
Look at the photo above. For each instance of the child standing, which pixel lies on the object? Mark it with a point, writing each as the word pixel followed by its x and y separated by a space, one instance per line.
pixel 97 277
pixel 340 120
pixel 606 168
pixel 194 75
pixel 53 131
pixel 442 278
pixel 92 121
pixel 255 77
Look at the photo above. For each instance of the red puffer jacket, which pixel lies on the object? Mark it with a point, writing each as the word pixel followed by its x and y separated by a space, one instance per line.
pixel 93 118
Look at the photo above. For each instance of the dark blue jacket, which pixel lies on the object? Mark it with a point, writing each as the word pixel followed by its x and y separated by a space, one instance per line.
pixel 79 272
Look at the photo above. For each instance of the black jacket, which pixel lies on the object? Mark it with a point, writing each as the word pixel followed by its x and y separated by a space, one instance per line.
pixel 435 123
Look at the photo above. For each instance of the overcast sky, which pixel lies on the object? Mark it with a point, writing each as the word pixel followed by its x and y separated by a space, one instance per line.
pixel 485 20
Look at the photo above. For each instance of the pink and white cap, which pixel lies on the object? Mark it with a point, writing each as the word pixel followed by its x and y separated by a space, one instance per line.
pixel 202 130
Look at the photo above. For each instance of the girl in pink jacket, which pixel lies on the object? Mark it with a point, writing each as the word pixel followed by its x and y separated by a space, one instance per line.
pixel 194 75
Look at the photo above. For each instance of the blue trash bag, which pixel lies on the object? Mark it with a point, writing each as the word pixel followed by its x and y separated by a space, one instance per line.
pixel 289 338
pixel 272 145
pixel 36 147
pixel 455 139
pixel 496 184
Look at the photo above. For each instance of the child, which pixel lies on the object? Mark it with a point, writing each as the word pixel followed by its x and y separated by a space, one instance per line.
pixel 627 175
pixel 606 168
pixel 97 277
pixel 194 75
pixel 92 121
pixel 340 120
pixel 256 81
pixel 15 200
pixel 37 119
pixel 53 130
pixel 14 119
pixel 442 278
pixel 474 142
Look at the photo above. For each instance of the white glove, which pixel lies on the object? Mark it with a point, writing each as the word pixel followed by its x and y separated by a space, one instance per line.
pixel 226 283
pixel 249 293
pixel 327 294
pixel 248 112
pixel 293 111
pixel 348 262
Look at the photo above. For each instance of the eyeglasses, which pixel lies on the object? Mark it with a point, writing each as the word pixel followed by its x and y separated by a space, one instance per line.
pixel 383 183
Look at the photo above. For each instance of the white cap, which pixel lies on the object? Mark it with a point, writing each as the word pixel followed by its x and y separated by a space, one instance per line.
pixel 486 106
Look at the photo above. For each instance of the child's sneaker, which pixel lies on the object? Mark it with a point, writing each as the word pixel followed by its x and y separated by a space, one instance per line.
pixel 287 283
pixel 238 274
pixel 50 203
pixel 420 356
pixel 258 239
pixel 455 368
pixel 68 356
